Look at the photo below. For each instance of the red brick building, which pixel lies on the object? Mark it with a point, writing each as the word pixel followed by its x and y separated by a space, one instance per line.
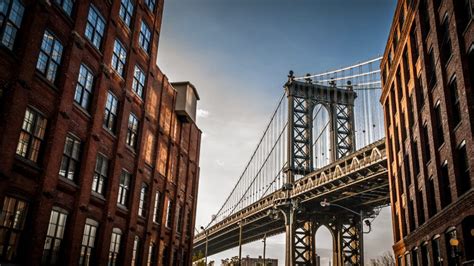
pixel 99 158
pixel 428 100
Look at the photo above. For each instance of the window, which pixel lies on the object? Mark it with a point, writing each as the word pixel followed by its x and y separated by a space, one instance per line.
pixel 70 160
pixel 438 123
pixel 95 27
pixel 12 221
pixel 414 257
pixel 144 37
pixel 422 95
pixel 414 44
pixel 138 81
pixel 132 131
pixel 464 12
pixel 431 197
pixel 50 56
pixel 425 19
pixel 426 144
pixel 179 223
pixel 431 70
pixel 445 185
pixel 416 162
pixel 150 4
pixel 156 208
pixel 65 5
pixel 54 236
pixel 411 111
pixel 124 188
pixel 149 147
pixel 419 207
pixel 454 102
pixel 169 214
pixel 85 82
pixel 446 49
pixel 436 251
pixel 126 11
pixel 110 116
pixel 114 246
pixel 151 255
pixel 88 242
pixel 425 259
pixel 406 162
pixel 11 14
pixel 463 177
pixel 142 203
pixel 119 57
pixel 100 174
pixel 136 252
pixel 32 135
pixel 407 259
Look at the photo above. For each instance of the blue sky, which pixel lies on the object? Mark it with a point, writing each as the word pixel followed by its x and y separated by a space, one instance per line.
pixel 238 52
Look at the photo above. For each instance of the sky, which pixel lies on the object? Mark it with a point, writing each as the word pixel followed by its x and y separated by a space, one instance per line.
pixel 238 53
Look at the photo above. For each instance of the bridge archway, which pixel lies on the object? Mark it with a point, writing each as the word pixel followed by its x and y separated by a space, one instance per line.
pixel 321 136
pixel 325 242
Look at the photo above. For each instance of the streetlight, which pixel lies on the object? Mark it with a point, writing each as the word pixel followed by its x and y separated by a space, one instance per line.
pixel 240 242
pixel 205 236
pixel 264 247
pixel 326 203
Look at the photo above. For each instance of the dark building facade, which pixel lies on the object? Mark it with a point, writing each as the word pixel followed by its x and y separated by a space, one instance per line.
pixel 97 166
pixel 427 77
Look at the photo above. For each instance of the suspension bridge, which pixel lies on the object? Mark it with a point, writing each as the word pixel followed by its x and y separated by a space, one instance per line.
pixel 324 143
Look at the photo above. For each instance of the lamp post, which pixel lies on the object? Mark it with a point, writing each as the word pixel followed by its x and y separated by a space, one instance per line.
pixel 205 236
pixel 326 203
pixel 264 247
pixel 240 242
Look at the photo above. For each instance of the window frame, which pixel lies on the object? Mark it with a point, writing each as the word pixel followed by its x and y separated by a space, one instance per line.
pixel 136 252
pixel 14 25
pixel 58 236
pixel 74 156
pixel 87 250
pixel 156 208
pixel 36 135
pixel 61 5
pixel 144 37
pixel 119 58
pixel 126 12
pixel 12 230
pixel 132 131
pixel 111 112
pixel 151 5
pixel 83 93
pixel 142 203
pixel 51 65
pixel 96 30
pixel 115 246
pixel 139 81
pixel 124 188
pixel 99 179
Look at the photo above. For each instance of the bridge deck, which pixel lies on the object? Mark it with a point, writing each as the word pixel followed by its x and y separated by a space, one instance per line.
pixel 358 181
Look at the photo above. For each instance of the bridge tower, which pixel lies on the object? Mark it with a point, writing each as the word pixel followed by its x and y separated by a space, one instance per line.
pixel 303 97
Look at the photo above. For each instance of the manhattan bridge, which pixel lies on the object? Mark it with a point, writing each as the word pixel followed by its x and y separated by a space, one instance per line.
pixel 320 162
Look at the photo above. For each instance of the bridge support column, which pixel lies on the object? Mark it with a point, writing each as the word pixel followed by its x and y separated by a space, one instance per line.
pixel 288 209
pixel 304 248
pixel 348 246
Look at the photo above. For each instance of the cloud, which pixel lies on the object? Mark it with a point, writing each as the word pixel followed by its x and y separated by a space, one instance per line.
pixel 202 113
